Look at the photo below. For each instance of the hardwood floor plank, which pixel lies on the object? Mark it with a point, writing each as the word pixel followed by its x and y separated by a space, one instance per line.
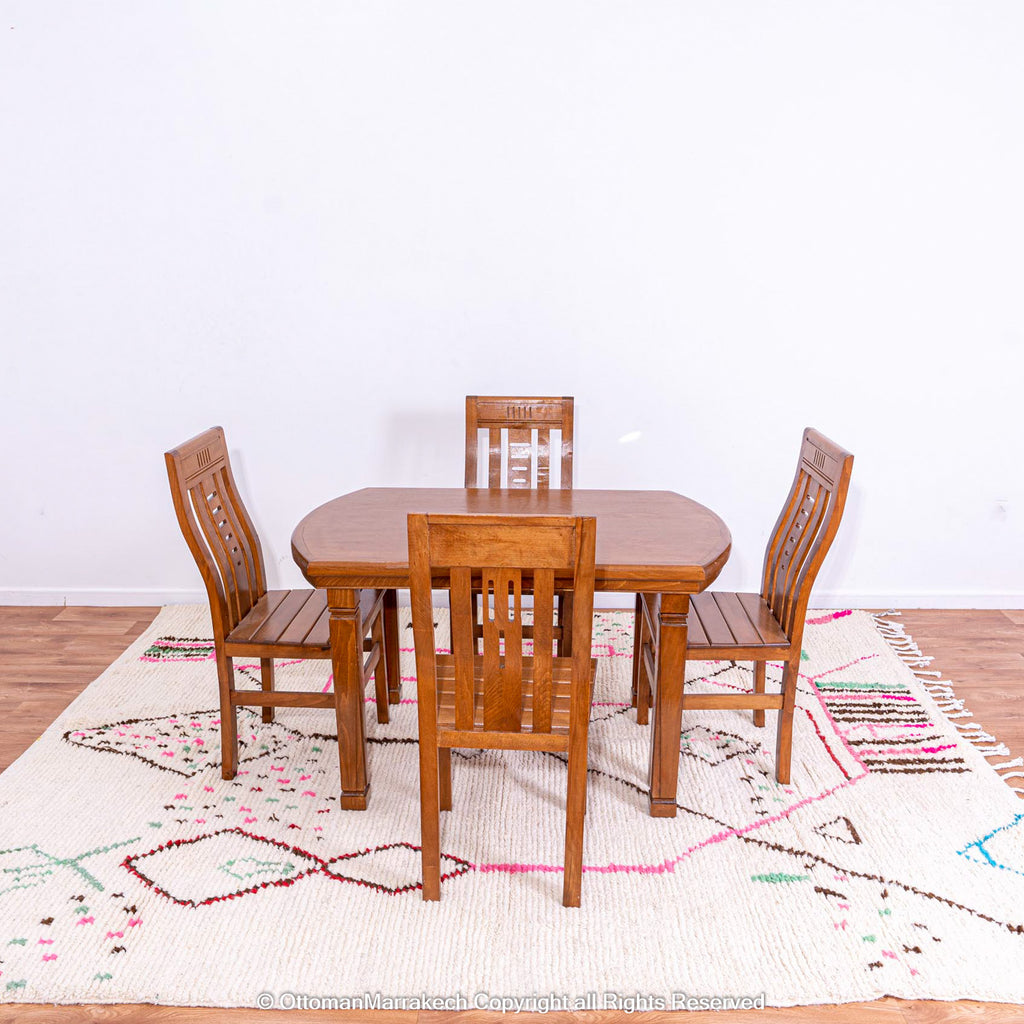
pixel 930 1012
pixel 884 1011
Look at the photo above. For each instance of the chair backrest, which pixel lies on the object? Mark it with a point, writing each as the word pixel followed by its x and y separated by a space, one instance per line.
pixel 518 441
pixel 501 557
pixel 217 527
pixel 805 529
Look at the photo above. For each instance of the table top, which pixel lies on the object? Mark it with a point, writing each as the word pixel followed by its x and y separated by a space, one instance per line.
pixel 646 540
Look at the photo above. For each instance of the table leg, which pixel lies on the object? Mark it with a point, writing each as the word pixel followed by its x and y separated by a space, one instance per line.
pixel 347 662
pixel 670 671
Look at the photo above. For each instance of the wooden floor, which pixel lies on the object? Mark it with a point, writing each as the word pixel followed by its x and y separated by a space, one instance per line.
pixel 48 655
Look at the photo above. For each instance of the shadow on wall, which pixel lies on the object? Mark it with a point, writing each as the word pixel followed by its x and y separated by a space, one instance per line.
pixel 423 449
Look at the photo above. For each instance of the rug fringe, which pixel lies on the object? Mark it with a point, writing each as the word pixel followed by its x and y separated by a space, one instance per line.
pixel 942 692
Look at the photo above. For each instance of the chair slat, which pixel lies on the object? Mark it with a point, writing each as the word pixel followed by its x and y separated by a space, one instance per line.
pixel 543 628
pixel 472 445
pixel 238 540
pixel 230 544
pixel 206 501
pixel 796 537
pixel 711 619
pixel 258 615
pixel 462 646
pixel 300 629
pixel 565 467
pixel 695 634
pixel 543 458
pixel 494 457
pixel 520 458
pixel 761 618
pixel 320 634
pixel 503 649
pixel 735 615
pixel 784 542
pixel 277 622
pixel 810 526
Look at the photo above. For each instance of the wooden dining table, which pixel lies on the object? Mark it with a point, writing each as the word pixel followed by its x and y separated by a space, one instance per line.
pixel 655 542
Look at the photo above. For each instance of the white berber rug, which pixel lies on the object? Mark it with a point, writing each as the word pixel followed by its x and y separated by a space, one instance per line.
pixel 893 864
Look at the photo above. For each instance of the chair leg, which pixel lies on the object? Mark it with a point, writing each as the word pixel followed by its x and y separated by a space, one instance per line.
pixel 444 777
pixel 267 682
pixel 643 683
pixel 575 814
pixel 759 667
pixel 564 646
pixel 638 613
pixel 380 672
pixel 228 717
pixel 430 821
pixel 784 746
pixel 391 645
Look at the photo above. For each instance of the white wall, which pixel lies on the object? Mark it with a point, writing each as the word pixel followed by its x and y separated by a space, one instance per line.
pixel 322 224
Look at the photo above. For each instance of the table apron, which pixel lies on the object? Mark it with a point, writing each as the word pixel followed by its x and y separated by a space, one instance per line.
pixel 361 581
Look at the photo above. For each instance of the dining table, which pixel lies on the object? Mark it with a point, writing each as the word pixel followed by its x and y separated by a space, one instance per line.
pixel 654 542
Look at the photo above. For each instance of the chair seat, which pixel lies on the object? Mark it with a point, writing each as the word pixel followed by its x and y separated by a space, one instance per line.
pixel 291 623
pixel 725 624
pixel 561 679
pixel 724 621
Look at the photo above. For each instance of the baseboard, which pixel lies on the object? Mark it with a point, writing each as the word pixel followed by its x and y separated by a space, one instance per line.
pixel 128 597
pixel 1011 599
pixel 106 597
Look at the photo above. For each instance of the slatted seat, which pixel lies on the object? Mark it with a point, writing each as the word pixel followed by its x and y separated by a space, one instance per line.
pixel 501 698
pixel 732 623
pixel 511 440
pixel 767 626
pixel 248 620
pixel 294 621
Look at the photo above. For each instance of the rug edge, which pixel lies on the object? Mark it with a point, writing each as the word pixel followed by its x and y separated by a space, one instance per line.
pixel 944 696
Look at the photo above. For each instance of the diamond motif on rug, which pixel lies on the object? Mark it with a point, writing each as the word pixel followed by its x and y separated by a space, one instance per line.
pixel 392 869
pixel 219 866
pixel 185 744
pixel 715 746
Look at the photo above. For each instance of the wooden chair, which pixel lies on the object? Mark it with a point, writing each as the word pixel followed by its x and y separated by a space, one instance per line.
pixel 520 429
pixel 250 621
pixel 517 455
pixel 501 698
pixel 761 627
